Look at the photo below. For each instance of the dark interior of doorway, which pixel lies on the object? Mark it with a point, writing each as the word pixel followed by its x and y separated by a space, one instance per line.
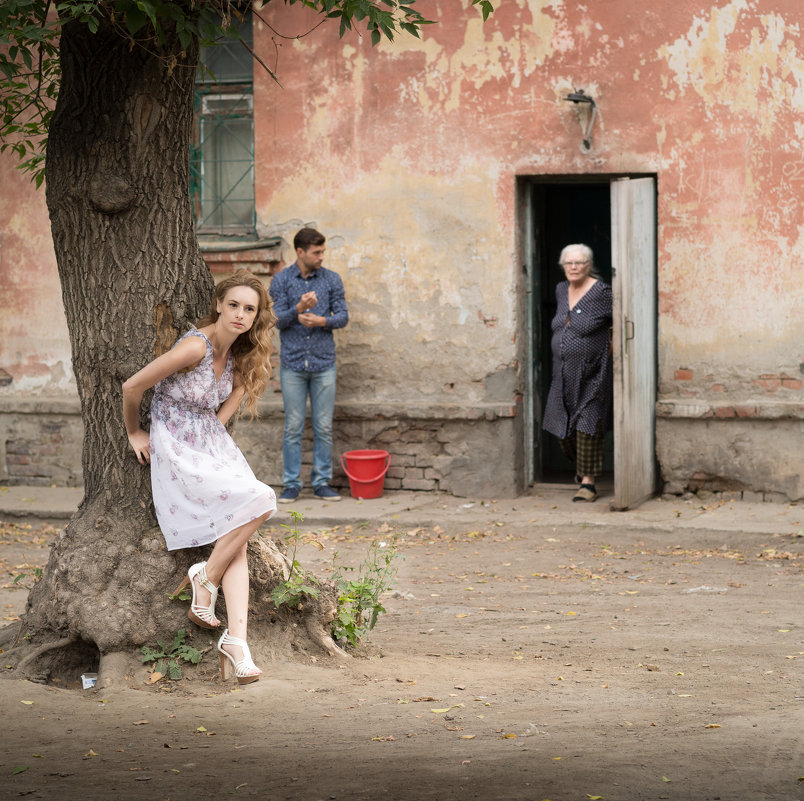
pixel 567 213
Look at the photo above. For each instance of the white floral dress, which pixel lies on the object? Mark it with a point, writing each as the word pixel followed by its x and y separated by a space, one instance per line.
pixel 202 485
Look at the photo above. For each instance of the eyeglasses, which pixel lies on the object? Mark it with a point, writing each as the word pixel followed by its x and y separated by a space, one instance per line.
pixel 576 263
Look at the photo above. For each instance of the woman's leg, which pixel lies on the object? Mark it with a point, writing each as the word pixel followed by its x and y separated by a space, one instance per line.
pixel 235 590
pixel 590 455
pixel 226 549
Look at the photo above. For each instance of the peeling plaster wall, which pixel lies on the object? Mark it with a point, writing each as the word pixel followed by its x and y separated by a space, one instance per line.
pixel 407 154
pixel 34 344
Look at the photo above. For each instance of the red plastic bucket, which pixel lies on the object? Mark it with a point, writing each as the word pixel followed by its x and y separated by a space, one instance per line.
pixel 366 471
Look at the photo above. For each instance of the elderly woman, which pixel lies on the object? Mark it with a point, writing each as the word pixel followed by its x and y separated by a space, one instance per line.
pixel 579 402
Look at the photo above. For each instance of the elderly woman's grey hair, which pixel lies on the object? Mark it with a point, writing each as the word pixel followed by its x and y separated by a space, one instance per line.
pixel 586 252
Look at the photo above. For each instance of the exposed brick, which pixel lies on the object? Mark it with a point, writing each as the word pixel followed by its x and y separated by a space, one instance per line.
pixel 32 470
pixel 15 446
pixel 411 448
pixel 392 483
pixel 395 472
pixel 416 435
pixel 746 411
pixel 414 472
pixel 52 426
pixel 402 459
pixel 774 497
pixel 718 388
pixel 770 384
pixel 433 474
pixel 683 374
pixel 18 458
pixel 389 435
pixel 418 484
pixel 725 411
pixel 792 383
pixel 768 376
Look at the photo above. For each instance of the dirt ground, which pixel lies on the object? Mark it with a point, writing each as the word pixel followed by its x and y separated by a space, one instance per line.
pixel 561 663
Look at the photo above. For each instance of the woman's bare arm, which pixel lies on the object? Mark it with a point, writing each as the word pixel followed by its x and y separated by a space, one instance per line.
pixel 187 352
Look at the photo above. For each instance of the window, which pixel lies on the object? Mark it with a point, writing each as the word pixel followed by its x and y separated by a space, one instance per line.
pixel 222 153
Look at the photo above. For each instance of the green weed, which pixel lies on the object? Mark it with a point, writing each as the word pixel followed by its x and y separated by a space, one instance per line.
pixel 359 603
pixel 167 659
pixel 300 583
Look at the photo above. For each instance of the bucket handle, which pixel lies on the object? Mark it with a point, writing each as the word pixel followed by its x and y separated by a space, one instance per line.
pixel 367 480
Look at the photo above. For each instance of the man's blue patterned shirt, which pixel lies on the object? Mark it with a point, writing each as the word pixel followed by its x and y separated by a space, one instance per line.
pixel 308 349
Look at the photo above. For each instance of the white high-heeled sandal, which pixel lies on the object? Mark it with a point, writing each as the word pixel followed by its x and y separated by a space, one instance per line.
pixel 243 668
pixel 201 615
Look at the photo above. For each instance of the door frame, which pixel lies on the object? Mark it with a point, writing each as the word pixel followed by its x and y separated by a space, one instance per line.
pixel 530 255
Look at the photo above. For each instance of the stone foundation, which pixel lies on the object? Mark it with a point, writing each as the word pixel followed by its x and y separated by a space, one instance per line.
pixel 752 450
pixel 40 442
pixel 467 451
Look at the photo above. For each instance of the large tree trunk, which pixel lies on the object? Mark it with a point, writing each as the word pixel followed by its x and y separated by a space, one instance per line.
pixel 131 273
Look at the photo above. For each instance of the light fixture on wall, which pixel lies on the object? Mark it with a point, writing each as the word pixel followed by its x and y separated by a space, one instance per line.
pixel 579 96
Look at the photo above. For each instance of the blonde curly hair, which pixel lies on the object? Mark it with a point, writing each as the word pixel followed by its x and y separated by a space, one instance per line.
pixel 253 348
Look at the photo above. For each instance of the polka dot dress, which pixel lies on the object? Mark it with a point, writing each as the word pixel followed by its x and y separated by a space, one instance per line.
pixel 581 390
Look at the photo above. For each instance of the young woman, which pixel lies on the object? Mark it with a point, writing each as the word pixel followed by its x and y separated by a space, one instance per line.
pixel 203 489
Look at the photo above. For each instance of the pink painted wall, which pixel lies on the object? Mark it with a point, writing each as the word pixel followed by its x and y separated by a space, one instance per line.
pixel 34 343
pixel 407 153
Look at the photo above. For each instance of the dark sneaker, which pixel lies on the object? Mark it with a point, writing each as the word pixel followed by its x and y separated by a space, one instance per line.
pixel 326 493
pixel 289 494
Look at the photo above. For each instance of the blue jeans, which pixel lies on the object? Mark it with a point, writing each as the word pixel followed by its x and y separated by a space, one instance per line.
pixel 296 385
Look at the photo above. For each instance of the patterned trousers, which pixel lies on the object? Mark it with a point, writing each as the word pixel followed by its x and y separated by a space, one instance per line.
pixel 586 450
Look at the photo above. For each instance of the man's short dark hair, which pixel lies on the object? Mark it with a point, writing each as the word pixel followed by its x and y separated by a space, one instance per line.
pixel 307 238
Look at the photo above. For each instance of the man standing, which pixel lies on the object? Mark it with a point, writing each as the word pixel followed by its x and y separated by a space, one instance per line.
pixel 309 304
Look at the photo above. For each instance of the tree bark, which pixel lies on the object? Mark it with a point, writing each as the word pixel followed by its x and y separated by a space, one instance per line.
pixel 131 274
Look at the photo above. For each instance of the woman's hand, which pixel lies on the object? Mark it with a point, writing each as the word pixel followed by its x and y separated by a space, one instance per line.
pixel 140 442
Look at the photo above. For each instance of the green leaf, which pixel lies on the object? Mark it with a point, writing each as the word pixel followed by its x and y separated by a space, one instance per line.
pixel 135 19
pixel 19 769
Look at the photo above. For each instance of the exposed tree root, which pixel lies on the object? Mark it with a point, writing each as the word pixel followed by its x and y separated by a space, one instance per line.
pixel 10 634
pixel 114 669
pixel 43 649
pixel 323 639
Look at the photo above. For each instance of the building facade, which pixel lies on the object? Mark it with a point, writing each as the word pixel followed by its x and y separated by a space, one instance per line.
pixel 447 174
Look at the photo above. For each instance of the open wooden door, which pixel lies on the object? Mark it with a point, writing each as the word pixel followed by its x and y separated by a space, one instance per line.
pixel 633 243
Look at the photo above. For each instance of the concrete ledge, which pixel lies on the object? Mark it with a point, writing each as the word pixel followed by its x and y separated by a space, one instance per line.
pixel 755 409
pixel 31 404
pixel 271 407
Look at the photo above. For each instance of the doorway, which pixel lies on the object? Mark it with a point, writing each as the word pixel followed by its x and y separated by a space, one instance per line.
pixel 616 217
